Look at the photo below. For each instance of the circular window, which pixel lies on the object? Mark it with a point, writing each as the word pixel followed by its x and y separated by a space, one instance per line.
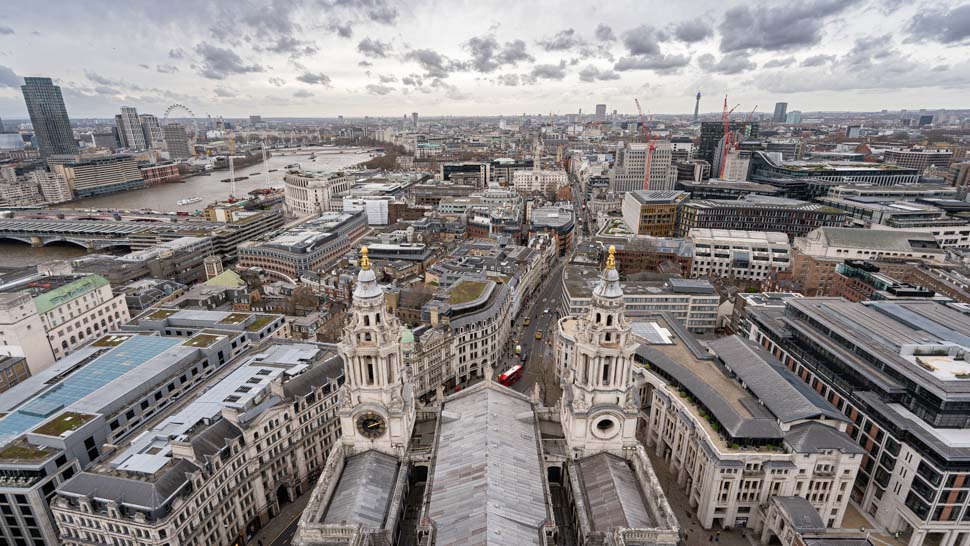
pixel 605 427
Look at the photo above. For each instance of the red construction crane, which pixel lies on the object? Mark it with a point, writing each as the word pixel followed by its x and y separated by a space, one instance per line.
pixel 726 120
pixel 650 147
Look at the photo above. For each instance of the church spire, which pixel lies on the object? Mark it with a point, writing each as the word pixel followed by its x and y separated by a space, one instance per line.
pixel 609 286
pixel 367 287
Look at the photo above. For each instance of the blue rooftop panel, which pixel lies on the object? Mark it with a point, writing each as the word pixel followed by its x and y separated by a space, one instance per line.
pixel 103 370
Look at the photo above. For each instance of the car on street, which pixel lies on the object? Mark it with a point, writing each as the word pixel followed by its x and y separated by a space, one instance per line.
pixel 546 310
pixel 538 334
pixel 527 321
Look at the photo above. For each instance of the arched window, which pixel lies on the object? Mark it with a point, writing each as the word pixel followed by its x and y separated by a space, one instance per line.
pixel 370 369
pixel 73 340
pixel 585 377
pixel 608 337
pixel 597 318
pixel 367 336
pixel 64 344
pixel 377 318
pixel 390 368
pixel 366 320
pixel 609 320
pixel 605 380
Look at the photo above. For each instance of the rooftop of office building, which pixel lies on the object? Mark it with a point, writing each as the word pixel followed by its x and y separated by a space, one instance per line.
pixel 89 379
pixel 146 474
pixel 741 395
pixel 580 281
pixel 889 343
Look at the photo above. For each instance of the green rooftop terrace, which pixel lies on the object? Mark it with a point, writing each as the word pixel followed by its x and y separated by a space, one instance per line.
pixel 161 314
pixel 202 340
pixel 20 450
pixel 260 322
pixel 465 291
pixel 234 318
pixel 64 422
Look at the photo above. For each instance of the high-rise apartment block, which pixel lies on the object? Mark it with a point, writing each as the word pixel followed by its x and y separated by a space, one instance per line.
pixel 712 136
pixel 781 111
pixel 48 116
pixel 151 130
pixel 129 127
pixel 628 171
pixel 176 141
pixel 600 112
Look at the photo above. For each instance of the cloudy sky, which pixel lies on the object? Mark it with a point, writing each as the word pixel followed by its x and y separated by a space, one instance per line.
pixel 459 57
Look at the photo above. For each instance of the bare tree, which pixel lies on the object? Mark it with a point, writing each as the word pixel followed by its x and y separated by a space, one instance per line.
pixel 548 381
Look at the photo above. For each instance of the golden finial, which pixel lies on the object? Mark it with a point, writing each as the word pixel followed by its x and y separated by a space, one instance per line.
pixel 611 259
pixel 364 261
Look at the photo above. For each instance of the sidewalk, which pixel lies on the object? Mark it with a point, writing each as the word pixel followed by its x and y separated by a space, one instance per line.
pixel 278 525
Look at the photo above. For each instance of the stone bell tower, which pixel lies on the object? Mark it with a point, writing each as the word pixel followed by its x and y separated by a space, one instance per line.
pixel 600 403
pixel 377 405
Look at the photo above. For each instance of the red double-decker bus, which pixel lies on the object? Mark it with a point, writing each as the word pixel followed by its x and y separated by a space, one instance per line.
pixel 511 376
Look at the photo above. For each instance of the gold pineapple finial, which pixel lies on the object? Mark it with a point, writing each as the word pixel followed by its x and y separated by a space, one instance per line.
pixel 364 261
pixel 611 259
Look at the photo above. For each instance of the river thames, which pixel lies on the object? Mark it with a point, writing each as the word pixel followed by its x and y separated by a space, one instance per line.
pixel 165 197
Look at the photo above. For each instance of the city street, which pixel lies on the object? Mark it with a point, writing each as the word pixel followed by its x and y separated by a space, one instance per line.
pixel 542 351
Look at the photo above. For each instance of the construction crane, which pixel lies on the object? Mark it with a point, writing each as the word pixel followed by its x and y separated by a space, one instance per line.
pixel 726 120
pixel 751 115
pixel 650 147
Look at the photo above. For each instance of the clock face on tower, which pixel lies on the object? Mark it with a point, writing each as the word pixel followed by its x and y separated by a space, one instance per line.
pixel 371 425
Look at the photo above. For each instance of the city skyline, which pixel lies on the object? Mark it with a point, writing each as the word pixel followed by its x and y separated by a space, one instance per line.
pixel 324 58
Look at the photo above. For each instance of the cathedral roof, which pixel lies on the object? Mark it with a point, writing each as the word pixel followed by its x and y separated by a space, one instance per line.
pixel 488 486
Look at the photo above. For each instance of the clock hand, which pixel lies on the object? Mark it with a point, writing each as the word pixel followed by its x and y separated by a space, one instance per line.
pixel 372 425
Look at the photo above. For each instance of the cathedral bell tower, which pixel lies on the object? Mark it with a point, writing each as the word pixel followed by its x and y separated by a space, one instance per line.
pixel 377 405
pixel 600 404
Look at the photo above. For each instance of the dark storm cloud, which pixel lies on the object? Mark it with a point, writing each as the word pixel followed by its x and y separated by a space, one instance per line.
pixel 293 46
pixel 660 63
pixel 817 60
pixel 781 27
pixel 373 48
pixel 734 63
pixel 219 62
pixel 6 30
pixel 488 55
pixel 177 53
pixel 314 78
pixel 563 40
pixel 693 31
pixel 344 30
pixel 780 63
pixel 592 73
pixel 376 89
pixel 948 26
pixel 8 78
pixel 644 40
pixel 549 71
pixel 434 64
pixel 604 33
pixel 380 11
pixel 868 50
